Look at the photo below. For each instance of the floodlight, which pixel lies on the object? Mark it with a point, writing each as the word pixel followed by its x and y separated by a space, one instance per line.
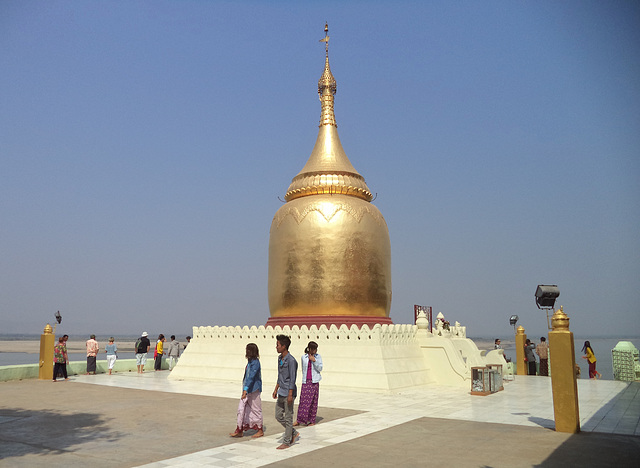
pixel 512 321
pixel 546 296
pixel 58 317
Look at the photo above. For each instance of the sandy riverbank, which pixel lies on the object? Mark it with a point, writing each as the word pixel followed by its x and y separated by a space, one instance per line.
pixel 33 346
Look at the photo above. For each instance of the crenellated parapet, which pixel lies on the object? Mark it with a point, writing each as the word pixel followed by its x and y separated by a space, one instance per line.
pixel 384 334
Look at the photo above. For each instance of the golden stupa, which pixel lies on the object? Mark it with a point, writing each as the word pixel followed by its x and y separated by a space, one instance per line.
pixel 329 250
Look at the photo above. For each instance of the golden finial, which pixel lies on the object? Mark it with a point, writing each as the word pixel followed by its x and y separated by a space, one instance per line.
pixel 326 38
pixel 327 86
pixel 560 320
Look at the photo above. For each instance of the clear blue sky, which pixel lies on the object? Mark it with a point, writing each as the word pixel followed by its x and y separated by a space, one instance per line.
pixel 144 145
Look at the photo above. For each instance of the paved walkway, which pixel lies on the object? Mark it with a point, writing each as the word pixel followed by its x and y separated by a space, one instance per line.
pixel 147 420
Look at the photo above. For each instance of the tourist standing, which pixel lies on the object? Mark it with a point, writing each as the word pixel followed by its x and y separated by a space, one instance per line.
pixel 159 352
pixel 250 406
pixel 143 345
pixel 173 352
pixel 286 390
pixel 112 353
pixel 311 367
pixel 543 353
pixel 65 338
pixel 497 345
pixel 60 359
pixel 530 356
pixel 591 357
pixel 92 354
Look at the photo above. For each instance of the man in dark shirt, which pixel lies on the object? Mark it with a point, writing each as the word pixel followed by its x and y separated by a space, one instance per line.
pixel 529 346
pixel 286 390
pixel 142 348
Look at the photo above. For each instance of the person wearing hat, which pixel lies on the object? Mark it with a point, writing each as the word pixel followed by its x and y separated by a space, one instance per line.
pixel 142 348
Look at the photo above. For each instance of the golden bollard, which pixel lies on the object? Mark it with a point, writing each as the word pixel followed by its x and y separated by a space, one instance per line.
pixel 563 379
pixel 46 354
pixel 521 337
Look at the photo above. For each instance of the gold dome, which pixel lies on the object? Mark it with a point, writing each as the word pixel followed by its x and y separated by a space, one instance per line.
pixel 329 249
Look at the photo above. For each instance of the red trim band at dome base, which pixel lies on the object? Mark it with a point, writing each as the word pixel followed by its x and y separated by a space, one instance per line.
pixel 328 320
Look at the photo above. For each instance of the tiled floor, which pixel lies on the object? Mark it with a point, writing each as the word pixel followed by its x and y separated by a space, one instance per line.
pixel 605 406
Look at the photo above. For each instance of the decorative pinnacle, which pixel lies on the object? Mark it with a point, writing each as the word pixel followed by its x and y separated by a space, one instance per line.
pixel 560 320
pixel 326 38
pixel 327 86
pixel 328 170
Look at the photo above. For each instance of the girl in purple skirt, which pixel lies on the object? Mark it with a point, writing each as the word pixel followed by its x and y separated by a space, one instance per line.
pixel 311 368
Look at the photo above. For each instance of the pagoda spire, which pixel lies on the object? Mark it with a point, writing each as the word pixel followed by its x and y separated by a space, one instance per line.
pixel 328 169
pixel 327 86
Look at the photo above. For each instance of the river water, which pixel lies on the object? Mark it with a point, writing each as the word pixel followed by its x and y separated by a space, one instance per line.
pixel 9 358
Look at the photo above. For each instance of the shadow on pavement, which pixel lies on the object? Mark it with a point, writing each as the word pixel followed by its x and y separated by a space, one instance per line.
pixel 43 432
pixel 546 423
pixel 595 449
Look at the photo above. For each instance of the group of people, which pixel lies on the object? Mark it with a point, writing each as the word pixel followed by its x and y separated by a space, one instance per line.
pixel 61 356
pixel 143 345
pixel 249 414
pixel 542 350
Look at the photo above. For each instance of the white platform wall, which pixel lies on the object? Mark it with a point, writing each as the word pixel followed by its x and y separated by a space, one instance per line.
pixel 385 358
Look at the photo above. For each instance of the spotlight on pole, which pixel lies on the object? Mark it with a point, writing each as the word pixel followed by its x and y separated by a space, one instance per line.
pixel 512 321
pixel 546 295
pixel 58 319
